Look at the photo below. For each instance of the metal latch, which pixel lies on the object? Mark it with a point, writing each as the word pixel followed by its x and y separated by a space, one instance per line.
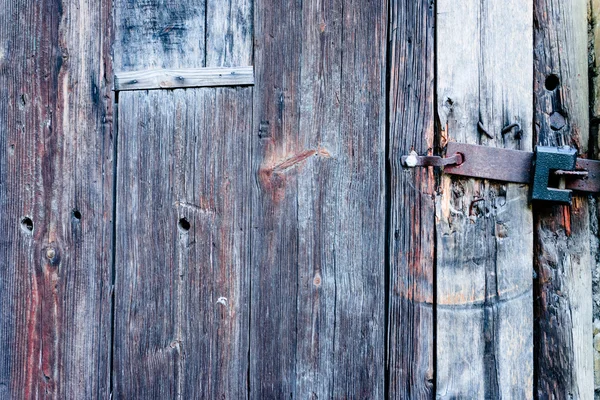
pixel 552 172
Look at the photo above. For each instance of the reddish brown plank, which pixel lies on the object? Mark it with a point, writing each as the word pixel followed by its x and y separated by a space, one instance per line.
pixel 55 178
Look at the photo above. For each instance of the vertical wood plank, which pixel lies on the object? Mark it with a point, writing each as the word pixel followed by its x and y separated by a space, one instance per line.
pixel 594 152
pixel 484 229
pixel 412 205
pixel 318 203
pixel 563 284
pixel 182 309
pixel 275 236
pixel 55 170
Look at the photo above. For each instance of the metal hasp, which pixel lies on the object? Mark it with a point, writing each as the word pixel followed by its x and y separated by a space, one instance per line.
pixel 540 169
pixel 547 160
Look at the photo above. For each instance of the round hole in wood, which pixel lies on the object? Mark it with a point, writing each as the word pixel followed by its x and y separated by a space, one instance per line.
pixel 184 225
pixel 27 224
pixel 552 82
pixel 76 214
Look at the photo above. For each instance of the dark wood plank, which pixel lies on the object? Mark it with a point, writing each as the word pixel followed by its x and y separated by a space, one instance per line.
pixel 412 224
pixel 56 171
pixel 484 230
pixel 182 296
pixel 317 319
pixel 181 320
pixel 563 284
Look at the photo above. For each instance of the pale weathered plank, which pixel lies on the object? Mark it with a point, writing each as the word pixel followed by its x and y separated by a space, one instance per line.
pixel 229 29
pixel 55 199
pixel 317 319
pixel 152 35
pixel 484 229
pixel 563 284
pixel 184 78
pixel 412 205
pixel 182 294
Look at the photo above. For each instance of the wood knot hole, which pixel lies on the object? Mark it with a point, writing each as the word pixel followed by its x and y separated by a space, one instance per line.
pixel 184 225
pixel 27 224
pixel 552 82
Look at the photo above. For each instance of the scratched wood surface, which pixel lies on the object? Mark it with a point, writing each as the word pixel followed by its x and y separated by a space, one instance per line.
pixel 412 206
pixel 317 320
pixel 484 229
pixel 55 199
pixel 183 206
pixel 563 284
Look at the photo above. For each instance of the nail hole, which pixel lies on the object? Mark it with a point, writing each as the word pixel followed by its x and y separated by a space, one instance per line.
pixel 184 225
pixel 27 224
pixel 552 82
pixel 76 214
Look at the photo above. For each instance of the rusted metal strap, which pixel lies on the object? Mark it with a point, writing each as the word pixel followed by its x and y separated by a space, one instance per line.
pixel 538 169
pixel 415 160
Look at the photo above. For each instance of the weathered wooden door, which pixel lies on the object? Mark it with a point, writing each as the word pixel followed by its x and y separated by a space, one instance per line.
pixel 204 199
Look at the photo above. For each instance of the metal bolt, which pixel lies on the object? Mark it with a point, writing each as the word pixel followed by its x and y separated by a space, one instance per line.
pixel 412 159
pixel 557 121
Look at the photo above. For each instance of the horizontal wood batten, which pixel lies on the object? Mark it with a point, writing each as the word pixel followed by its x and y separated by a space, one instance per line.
pixel 184 78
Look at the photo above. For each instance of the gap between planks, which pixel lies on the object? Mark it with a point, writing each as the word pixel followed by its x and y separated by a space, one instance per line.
pixel 184 78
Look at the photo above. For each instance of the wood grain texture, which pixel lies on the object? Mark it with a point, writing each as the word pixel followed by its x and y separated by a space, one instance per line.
pixel 182 298
pixel 151 35
pixel 318 204
pixel 55 157
pixel 229 33
pixel 184 78
pixel 412 230
pixel 563 284
pixel 484 229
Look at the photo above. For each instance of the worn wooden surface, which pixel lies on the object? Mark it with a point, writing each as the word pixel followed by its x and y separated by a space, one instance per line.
pixel 251 222
pixel 182 310
pixel 563 284
pixel 184 78
pixel 484 229
pixel 149 35
pixel 182 296
pixel 412 206
pixel 55 170
pixel 317 320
